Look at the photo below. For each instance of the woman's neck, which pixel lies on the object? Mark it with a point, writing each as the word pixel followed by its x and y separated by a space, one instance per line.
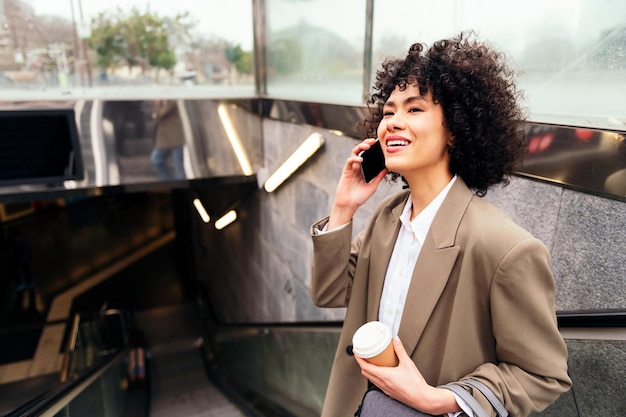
pixel 423 191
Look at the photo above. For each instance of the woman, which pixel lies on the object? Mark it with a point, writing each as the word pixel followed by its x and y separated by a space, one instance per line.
pixel 466 291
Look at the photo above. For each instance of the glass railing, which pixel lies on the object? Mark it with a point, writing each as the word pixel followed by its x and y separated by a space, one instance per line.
pixel 290 364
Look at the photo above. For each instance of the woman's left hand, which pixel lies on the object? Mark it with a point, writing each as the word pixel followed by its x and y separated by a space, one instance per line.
pixel 406 384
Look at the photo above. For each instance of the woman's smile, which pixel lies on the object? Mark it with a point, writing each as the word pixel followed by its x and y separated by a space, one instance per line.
pixel 395 143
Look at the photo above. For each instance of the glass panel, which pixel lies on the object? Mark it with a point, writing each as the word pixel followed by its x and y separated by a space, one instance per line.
pixel 288 367
pixel 315 49
pixel 156 141
pixel 52 48
pixel 85 354
pixel 598 370
pixel 270 363
pixel 572 54
pixel 99 335
pixel 105 397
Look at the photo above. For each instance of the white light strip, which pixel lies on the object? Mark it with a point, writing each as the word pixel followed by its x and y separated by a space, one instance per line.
pixel 299 157
pixel 226 219
pixel 235 141
pixel 201 211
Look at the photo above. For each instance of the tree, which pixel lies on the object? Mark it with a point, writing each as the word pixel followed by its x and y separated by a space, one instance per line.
pixel 179 34
pixel 137 39
pixel 107 41
pixel 245 65
pixel 242 60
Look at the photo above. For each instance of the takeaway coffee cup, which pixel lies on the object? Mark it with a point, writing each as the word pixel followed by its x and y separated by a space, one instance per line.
pixel 372 342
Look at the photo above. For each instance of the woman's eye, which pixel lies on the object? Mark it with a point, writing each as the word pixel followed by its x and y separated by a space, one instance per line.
pixel 387 113
pixel 414 109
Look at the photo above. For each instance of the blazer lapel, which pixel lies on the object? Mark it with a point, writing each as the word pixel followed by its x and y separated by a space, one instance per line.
pixel 381 254
pixel 433 266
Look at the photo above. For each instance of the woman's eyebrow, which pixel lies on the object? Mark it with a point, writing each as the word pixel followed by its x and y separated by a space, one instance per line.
pixel 408 100
pixel 413 99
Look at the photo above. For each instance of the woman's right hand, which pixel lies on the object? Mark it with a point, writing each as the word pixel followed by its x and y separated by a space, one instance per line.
pixel 352 191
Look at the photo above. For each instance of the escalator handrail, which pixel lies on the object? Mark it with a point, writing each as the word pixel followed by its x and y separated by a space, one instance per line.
pixel 610 318
pixel 71 345
pixel 602 319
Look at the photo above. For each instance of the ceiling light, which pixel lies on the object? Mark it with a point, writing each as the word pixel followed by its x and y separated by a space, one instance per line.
pixel 226 219
pixel 234 139
pixel 201 211
pixel 299 157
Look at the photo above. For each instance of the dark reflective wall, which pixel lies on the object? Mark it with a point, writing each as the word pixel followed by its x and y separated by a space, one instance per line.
pixel 143 143
pixel 586 159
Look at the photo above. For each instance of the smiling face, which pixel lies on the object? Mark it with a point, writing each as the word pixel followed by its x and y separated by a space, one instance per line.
pixel 414 136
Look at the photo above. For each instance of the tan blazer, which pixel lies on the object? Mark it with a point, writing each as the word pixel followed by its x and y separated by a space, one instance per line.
pixel 169 128
pixel 480 303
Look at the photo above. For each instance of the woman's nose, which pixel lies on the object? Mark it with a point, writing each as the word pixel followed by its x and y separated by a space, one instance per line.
pixel 396 122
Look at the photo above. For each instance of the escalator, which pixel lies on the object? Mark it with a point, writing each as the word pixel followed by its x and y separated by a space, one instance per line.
pixel 98 379
pixel 179 382
pixel 197 366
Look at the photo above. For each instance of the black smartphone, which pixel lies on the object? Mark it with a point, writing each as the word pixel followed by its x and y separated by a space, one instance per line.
pixel 373 161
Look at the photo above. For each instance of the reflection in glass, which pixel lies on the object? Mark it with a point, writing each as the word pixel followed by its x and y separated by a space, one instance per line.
pixel 115 46
pixel 571 54
pixel 615 183
pixel 588 159
pixel 235 140
pixel 167 154
pixel 315 49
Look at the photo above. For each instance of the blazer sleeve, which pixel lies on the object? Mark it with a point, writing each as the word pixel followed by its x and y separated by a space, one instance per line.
pixel 334 261
pixel 532 355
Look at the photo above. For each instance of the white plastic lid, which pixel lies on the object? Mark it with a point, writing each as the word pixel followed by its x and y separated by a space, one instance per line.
pixel 371 339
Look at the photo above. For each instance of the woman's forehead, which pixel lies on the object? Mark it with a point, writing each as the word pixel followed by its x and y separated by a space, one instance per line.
pixel 406 91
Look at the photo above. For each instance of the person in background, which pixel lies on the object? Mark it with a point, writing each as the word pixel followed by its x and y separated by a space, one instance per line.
pixel 466 291
pixel 169 141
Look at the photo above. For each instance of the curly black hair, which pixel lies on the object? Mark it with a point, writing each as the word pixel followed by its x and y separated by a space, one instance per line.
pixel 476 89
